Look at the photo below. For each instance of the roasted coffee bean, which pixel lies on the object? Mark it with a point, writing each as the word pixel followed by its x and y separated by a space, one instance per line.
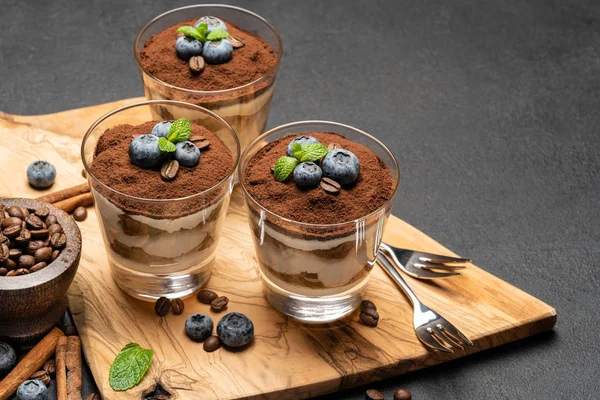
pixel 96 396
pixel 162 306
pixel 4 239
pixel 58 241
pixel 369 317
pixel 196 65
pixel 51 219
pixel 10 264
pixel 34 222
pixel 333 146
pixel 11 273
pixel 50 367
pixel 41 376
pixel 374 394
pixel 196 138
pixel 25 211
pixel 26 261
pixel 12 231
pixel 80 214
pixel 70 330
pixel 23 238
pixel 367 304
pixel 3 271
pixel 55 254
pixel 402 394
pixel 42 212
pixel 40 234
pixel 54 228
pixel 330 186
pixel 219 304
pixel 4 252
pixel 38 266
pixel 169 169
pixel 11 221
pixel 14 253
pixel 15 211
pixel 177 306
pixel 211 343
pixel 206 296
pixel 202 144
pixel 34 245
pixel 43 255
pixel 21 271
pixel 235 42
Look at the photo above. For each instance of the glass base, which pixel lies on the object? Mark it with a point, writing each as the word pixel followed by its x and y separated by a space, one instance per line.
pixel 313 310
pixel 150 287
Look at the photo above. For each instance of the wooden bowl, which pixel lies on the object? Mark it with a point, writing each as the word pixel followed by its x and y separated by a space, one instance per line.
pixel 30 305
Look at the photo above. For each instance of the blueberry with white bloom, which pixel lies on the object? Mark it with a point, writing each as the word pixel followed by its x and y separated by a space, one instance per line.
pixel 341 165
pixel 162 128
pixel 302 140
pixel 187 154
pixel 32 389
pixel 41 174
pixel 235 330
pixel 144 152
pixel 187 47
pixel 212 22
pixel 8 359
pixel 217 51
pixel 307 175
pixel 199 327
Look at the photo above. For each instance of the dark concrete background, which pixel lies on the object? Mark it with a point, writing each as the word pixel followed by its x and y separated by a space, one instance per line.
pixel 492 108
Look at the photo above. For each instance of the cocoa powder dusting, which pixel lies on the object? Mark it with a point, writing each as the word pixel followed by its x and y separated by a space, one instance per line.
pixel 247 64
pixel 374 187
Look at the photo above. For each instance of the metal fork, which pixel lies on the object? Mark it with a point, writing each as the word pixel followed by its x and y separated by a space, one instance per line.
pixel 421 265
pixel 431 328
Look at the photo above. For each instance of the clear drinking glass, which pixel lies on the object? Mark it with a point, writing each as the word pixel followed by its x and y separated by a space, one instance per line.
pixel 160 247
pixel 245 108
pixel 316 273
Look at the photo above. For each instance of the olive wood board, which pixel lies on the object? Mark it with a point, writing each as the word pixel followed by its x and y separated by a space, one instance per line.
pixel 286 360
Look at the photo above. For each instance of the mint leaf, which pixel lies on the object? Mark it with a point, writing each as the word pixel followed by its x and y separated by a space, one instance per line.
pixel 284 167
pixel 312 152
pixel 192 32
pixel 129 367
pixel 166 146
pixel 201 29
pixel 217 34
pixel 297 150
pixel 180 131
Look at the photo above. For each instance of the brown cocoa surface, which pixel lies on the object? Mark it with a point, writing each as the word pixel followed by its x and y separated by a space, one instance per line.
pixel 373 188
pixel 247 64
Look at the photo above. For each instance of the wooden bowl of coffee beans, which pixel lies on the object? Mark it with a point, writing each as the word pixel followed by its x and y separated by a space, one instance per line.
pixel 40 248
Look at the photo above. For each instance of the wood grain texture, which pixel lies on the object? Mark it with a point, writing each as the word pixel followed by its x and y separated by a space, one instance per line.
pixel 287 359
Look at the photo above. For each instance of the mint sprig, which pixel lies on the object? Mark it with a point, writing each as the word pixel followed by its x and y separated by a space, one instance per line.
pixel 179 131
pixel 284 167
pixel 217 34
pixel 199 33
pixel 312 152
pixel 165 146
pixel 191 32
pixel 302 153
pixel 129 367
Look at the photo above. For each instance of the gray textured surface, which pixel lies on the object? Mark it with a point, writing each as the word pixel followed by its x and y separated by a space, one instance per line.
pixel 492 108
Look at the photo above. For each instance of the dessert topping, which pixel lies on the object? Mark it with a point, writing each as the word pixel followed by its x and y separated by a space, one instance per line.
pixel 235 42
pixel 330 186
pixel 169 169
pixel 212 23
pixel 307 175
pixel 303 149
pixel 187 47
pixel 217 51
pixel 129 367
pixel 342 166
pixel 200 141
pixel 302 140
pixel 207 38
pixel 196 65
pixel 162 128
pixel 187 154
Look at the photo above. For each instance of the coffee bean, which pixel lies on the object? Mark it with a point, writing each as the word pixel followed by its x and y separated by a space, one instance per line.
pixel 196 65
pixel 42 213
pixel 9 264
pixel 402 394
pixel 37 267
pixel 43 255
pixel 206 296
pixel 51 219
pixel 369 317
pixel 40 234
pixel 26 261
pixel 4 239
pixel 34 245
pixel 162 306
pixel 219 304
pixel 330 186
pixel 12 231
pixel 15 211
pixel 41 376
pixel 34 222
pixel 54 228
pixel 11 273
pixel 96 396
pixel 50 367
pixel 169 169
pixel 374 394
pixel 3 271
pixel 235 42
pixel 203 144
pixel 70 330
pixel 196 138
pixel 58 240
pixel 11 221
pixel 25 211
pixel 177 306
pixel 21 271
pixel 4 252
pixel 80 214
pixel 367 304
pixel 211 343
pixel 55 254
pixel 14 253
pixel 23 238
pixel 333 146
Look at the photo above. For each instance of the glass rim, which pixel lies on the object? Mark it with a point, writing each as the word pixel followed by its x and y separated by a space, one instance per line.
pixel 330 123
pixel 206 92
pixel 149 103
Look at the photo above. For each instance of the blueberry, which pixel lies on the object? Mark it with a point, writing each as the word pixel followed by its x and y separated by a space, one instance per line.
pixel 217 52
pixel 8 359
pixel 235 330
pixel 341 165
pixel 41 174
pixel 187 154
pixel 307 174
pixel 302 140
pixel 144 152
pixel 212 22
pixel 32 389
pixel 199 327
pixel 186 47
pixel 162 128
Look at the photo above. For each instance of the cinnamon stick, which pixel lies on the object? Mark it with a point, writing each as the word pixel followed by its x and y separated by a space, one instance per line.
pixel 82 200
pixel 61 372
pixel 73 366
pixel 32 362
pixel 55 197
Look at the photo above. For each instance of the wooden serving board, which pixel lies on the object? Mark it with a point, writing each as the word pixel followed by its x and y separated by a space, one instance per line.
pixel 287 360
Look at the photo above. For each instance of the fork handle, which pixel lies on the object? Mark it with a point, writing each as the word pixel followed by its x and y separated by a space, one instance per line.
pixel 396 277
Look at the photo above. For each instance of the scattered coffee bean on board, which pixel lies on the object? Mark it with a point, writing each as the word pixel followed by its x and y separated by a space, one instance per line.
pixel 402 394
pixel 206 296
pixel 162 306
pixel 219 304
pixel 177 306
pixel 369 317
pixel 374 394
pixel 80 213
pixel 211 344
pixel 368 304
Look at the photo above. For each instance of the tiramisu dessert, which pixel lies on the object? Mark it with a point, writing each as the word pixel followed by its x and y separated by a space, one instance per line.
pixel 211 61
pixel 317 202
pixel 161 196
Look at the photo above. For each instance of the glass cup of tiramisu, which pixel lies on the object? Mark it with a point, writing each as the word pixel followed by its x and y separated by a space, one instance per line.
pixel 220 57
pixel 161 190
pixel 318 195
